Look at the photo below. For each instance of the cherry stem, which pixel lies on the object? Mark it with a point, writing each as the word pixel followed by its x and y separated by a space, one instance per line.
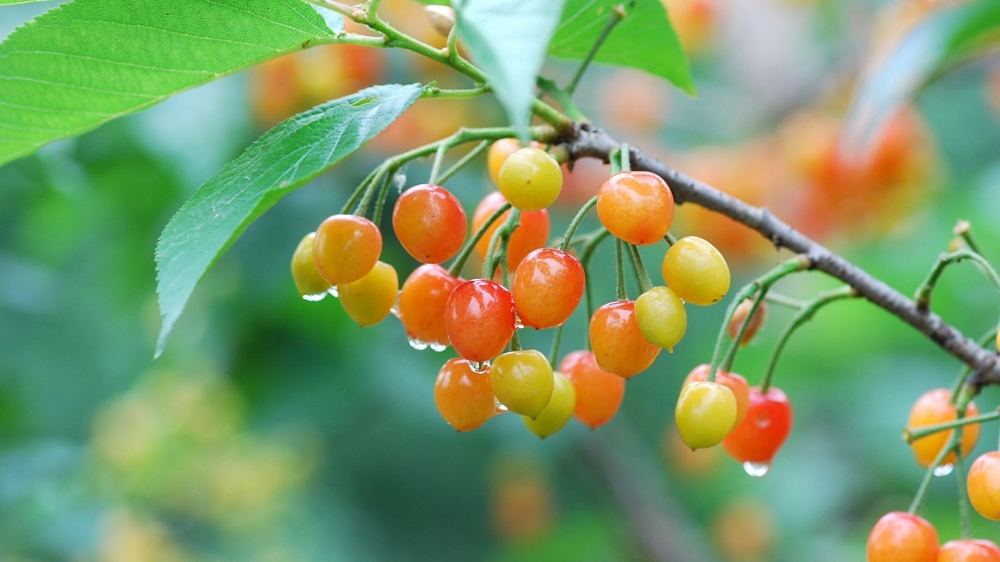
pixel 575 223
pixel 620 289
pixel 381 176
pixel 436 167
pixel 463 162
pixel 594 239
pixel 353 199
pixel 953 444
pixel 798 263
pixel 988 338
pixel 625 156
pixel 459 263
pixel 784 300
pixel 497 252
pixel 963 493
pixel 670 239
pixel 563 97
pixel 556 342
pixel 804 315
pixel 393 178
pixel 913 434
pixel 617 15
pixel 963 228
pixel 923 293
pixel 640 270
pixel 727 361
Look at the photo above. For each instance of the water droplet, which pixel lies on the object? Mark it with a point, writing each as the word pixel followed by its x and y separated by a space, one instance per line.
pixel 419 345
pixel 756 469
pixel 480 367
pixel 314 298
pixel 333 291
pixel 394 311
pixel 500 407
pixel 518 325
pixel 944 470
pixel 438 347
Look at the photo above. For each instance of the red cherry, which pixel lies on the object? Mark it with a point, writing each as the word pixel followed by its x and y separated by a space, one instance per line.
pixel 479 318
pixel 422 303
pixel 531 234
pixel 430 223
pixel 969 550
pixel 902 537
pixel 547 287
pixel 599 393
pixel 756 439
pixel 617 342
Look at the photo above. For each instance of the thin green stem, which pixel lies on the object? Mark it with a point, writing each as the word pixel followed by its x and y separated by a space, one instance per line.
pixel 589 248
pixel 373 188
pixel 563 97
pixel 923 294
pixel 436 167
pixel 727 361
pixel 556 341
pixel 497 251
pixel 575 223
pixel 625 155
pixel 463 162
pixel 804 315
pixel 640 270
pixel 433 92
pixel 383 194
pixel 617 15
pixel 963 494
pixel 963 228
pixel 986 339
pixel 620 289
pixel 463 255
pixel 911 435
pixel 670 239
pixel 358 192
pixel 925 484
pixel 783 300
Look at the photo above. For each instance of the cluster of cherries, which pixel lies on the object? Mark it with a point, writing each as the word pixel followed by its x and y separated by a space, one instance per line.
pixel 902 536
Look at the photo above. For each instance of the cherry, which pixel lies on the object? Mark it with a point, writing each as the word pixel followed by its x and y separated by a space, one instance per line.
pixel 557 412
pixel 599 393
pixel 497 155
pixel 422 304
pixel 935 407
pixel 430 223
pixel 308 281
pixel 548 284
pixel 969 550
pixel 661 317
pixel 530 179
pixel 523 381
pixel 463 397
pixel 705 413
pixel 984 485
pixel 756 439
pixel 346 248
pixel 740 315
pixel 902 537
pixel 617 341
pixel 734 382
pixel 479 318
pixel 637 207
pixel 696 271
pixel 531 234
pixel 370 299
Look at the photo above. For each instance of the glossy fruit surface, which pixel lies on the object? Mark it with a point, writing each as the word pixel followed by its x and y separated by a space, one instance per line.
pixel 548 285
pixel 705 413
pixel 522 381
pixel 430 223
pixel 530 179
pixel 346 248
pixel 637 207
pixel 479 318
pixel 740 316
pixel 983 484
pixel 463 397
pixel 599 393
pixel 497 155
pixel 370 299
pixel 422 303
pixel 696 271
pixel 661 317
pixel 733 381
pixel 935 407
pixel 308 281
pixel 557 412
pixel 530 235
pixel 617 341
pixel 969 550
pixel 767 424
pixel 902 537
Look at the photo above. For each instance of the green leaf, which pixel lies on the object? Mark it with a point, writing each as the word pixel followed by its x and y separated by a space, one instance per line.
pixel 644 39
pixel 946 38
pixel 283 159
pixel 508 39
pixel 89 61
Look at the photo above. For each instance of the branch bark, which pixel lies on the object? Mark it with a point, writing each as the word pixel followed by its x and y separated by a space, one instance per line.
pixel 589 141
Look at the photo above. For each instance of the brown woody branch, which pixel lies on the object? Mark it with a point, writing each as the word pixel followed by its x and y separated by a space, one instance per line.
pixel 589 141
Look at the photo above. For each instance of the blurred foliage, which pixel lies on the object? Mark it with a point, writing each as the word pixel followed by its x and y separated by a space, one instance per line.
pixel 274 429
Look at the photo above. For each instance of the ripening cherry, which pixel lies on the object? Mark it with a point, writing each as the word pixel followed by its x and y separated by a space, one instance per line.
pixel 661 317
pixel 733 381
pixel 522 381
pixel 370 299
pixel 617 341
pixel 308 281
pixel 463 396
pixel 346 248
pixel 740 316
pixel 557 412
pixel 696 271
pixel 497 155
pixel 479 318
pixel 983 485
pixel 637 207
pixel 422 304
pixel 599 393
pixel 531 234
pixel 932 408
pixel 969 550
pixel 763 431
pixel 902 537
pixel 530 179
pixel 548 284
pixel 705 413
pixel 430 223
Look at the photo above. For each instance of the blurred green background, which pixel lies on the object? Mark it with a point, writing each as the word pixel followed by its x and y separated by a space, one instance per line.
pixel 274 429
